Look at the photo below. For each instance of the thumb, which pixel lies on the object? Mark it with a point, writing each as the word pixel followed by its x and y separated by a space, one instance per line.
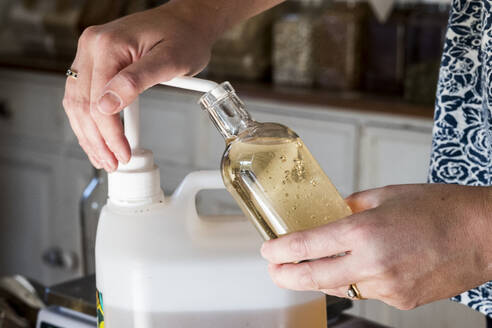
pixel 128 83
pixel 363 200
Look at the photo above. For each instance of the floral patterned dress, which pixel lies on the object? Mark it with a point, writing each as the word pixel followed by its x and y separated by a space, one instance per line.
pixel 462 135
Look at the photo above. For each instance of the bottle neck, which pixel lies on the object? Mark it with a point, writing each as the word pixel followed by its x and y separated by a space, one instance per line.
pixel 226 111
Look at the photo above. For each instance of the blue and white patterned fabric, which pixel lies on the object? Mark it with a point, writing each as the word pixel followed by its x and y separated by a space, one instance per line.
pixel 462 136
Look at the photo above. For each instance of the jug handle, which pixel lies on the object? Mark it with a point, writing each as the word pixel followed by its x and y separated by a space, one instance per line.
pixel 228 234
pixel 192 184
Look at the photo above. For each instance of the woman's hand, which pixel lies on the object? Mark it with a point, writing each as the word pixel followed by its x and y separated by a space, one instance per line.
pixel 407 245
pixel 118 60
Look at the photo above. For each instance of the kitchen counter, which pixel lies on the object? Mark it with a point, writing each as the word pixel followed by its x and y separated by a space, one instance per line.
pixel 355 101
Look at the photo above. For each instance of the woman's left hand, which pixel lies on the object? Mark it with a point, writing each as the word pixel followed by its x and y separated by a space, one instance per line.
pixel 407 245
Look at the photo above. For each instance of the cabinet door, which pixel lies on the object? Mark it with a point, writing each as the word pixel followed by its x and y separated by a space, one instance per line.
pixel 32 108
pixel 333 144
pixel 393 156
pixel 27 192
pixel 39 214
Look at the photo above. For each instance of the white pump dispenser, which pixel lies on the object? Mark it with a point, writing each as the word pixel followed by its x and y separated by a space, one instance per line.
pixel 160 264
pixel 138 181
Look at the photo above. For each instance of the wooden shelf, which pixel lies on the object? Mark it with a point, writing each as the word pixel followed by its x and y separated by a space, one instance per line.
pixel 359 101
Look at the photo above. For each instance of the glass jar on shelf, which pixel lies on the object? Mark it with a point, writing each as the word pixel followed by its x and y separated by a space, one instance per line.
pixel 293 44
pixel 426 32
pixel 243 52
pixel 385 51
pixel 338 45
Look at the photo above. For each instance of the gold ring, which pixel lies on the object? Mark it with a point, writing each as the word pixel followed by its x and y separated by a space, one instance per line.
pixel 353 292
pixel 72 73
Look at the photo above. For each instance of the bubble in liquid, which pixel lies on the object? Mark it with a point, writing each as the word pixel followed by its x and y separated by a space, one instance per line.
pixel 283 158
pixel 286 194
pixel 313 216
pixel 297 196
pixel 314 182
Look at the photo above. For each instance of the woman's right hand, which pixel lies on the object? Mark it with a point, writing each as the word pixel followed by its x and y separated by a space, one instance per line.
pixel 118 60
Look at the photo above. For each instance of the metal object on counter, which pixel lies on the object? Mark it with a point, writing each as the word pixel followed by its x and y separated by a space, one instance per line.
pixel 78 295
pixel 9 318
pixel 20 302
pixel 93 199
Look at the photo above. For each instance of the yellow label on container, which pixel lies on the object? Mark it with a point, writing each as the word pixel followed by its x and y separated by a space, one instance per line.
pixel 100 310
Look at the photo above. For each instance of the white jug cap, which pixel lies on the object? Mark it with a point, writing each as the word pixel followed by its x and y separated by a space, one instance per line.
pixel 137 182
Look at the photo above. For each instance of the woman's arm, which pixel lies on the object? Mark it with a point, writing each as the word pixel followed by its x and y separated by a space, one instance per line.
pixel 408 245
pixel 117 61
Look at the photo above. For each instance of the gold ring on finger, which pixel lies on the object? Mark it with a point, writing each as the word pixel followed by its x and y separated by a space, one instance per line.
pixel 72 73
pixel 353 292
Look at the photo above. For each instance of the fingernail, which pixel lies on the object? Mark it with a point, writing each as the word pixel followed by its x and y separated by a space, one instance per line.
pixel 97 165
pixel 121 158
pixel 95 162
pixel 109 166
pixel 262 250
pixel 109 102
pixel 112 166
pixel 106 166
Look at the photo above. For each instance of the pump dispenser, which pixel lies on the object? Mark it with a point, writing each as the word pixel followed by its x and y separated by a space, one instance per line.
pixel 160 264
pixel 138 181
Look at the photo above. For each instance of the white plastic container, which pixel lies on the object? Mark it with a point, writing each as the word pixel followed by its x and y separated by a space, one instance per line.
pixel 158 264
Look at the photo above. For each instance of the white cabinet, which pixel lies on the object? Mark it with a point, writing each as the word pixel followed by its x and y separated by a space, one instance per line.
pixel 393 156
pixel 42 174
pixel 333 144
pixel 39 213
pixel 27 192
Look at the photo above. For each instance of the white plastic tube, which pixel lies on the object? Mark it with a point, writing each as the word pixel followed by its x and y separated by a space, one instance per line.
pixel 131 116
pixel 132 112
pixel 191 83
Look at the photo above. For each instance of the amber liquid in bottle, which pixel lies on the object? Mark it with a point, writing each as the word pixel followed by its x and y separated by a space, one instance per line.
pixel 275 179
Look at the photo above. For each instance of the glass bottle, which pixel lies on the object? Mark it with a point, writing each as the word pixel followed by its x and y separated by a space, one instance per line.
pixel 269 171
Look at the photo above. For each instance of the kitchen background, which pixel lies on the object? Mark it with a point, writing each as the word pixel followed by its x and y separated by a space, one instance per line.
pixel 356 80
